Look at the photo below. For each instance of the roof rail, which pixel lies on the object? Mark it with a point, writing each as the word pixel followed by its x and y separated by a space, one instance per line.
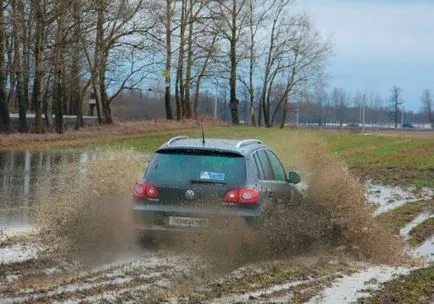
pixel 247 142
pixel 173 139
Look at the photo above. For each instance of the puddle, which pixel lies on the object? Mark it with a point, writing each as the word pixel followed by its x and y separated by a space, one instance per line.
pixel 18 253
pixel 426 250
pixel 21 173
pixel 347 289
pixel 391 197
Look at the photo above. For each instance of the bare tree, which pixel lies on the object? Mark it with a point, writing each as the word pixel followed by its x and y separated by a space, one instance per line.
pixel 231 17
pixel 75 102
pixel 396 102
pixel 17 63
pixel 295 57
pixel 257 16
pixel 206 50
pixel 167 71
pixel 340 100
pixel 195 8
pixel 275 50
pixel 320 98
pixel 427 106
pixel 179 82
pixel 115 23
pixel 58 63
pixel 38 87
pixel 4 108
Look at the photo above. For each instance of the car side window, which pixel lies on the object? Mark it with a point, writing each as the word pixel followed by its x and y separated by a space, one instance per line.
pixel 258 166
pixel 276 165
pixel 266 166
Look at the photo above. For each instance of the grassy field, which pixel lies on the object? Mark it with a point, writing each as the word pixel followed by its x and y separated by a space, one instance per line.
pixel 396 159
pixel 414 288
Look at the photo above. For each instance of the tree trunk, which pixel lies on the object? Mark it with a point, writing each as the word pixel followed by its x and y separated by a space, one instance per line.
pixel 260 108
pixel 26 34
pixel 44 101
pixel 196 99
pixel 75 96
pixel 167 102
pixel 187 104
pixel 251 66
pixel 4 108
pixel 233 84
pixel 179 82
pixel 233 72
pixel 102 63
pixel 10 73
pixel 284 114
pixel 106 111
pixel 58 95
pixel 22 107
pixel 38 91
pixel 97 102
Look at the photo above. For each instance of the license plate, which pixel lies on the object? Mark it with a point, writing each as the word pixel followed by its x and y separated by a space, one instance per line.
pixel 187 222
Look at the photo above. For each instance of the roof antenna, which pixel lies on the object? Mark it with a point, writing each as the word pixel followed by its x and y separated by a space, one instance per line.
pixel 203 134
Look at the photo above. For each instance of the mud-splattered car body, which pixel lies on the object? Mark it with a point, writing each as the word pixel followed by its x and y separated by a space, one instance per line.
pixel 192 183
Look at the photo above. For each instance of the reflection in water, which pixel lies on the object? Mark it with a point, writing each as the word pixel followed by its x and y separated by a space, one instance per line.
pixel 20 175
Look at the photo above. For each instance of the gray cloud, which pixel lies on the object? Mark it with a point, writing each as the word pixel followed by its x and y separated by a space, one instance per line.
pixel 378 43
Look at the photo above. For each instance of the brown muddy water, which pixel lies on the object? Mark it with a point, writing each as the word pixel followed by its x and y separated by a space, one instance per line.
pixel 21 173
pixel 67 237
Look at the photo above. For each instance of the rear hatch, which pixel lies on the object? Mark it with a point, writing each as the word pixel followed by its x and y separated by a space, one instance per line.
pixel 195 177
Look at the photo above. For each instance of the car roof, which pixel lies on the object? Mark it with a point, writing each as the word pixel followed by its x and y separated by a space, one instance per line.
pixel 242 147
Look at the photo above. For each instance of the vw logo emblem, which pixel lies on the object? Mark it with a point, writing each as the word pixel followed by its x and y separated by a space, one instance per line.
pixel 189 194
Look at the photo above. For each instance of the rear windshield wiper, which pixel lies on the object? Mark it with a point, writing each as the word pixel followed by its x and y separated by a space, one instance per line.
pixel 206 181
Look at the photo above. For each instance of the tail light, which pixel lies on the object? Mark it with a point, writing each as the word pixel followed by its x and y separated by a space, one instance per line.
pixel 242 196
pixel 144 190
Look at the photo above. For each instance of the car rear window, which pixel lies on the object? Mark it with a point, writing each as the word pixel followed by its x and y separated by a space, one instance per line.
pixel 191 166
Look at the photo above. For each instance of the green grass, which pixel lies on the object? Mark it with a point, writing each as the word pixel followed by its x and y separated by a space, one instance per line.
pixel 399 160
pixel 397 218
pixel 417 287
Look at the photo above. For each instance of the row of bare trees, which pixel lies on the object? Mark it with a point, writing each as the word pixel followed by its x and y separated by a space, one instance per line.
pixel 54 52
pixel 323 106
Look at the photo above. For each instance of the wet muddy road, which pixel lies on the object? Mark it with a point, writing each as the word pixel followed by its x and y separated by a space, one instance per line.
pixel 32 272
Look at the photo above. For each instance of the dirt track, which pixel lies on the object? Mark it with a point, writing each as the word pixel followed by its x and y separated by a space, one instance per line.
pixel 29 273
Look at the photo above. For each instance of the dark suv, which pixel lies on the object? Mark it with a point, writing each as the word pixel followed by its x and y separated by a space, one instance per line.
pixel 190 182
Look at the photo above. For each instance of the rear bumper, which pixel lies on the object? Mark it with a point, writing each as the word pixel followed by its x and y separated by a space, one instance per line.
pixel 155 218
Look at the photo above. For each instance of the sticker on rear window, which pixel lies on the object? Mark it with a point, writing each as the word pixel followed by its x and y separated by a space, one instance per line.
pixel 217 176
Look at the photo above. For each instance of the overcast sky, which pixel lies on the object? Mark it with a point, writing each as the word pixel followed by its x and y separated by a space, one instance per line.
pixel 378 44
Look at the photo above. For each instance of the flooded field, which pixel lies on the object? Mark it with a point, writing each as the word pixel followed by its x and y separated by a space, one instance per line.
pixel 20 175
pixel 58 245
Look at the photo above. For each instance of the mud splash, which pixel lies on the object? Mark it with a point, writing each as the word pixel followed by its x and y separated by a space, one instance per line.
pixel 85 215
pixel 334 212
